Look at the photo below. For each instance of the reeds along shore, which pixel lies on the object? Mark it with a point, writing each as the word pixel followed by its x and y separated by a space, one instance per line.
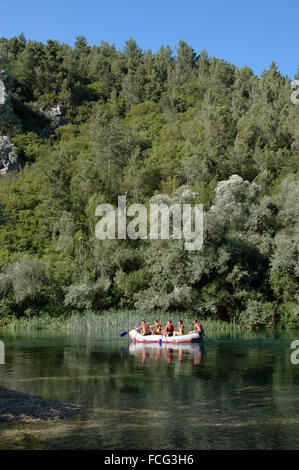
pixel 113 321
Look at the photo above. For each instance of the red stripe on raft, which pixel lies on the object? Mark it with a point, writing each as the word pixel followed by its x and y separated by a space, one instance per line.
pixel 165 342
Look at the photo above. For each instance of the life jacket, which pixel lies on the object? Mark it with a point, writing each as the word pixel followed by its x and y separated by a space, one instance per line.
pixel 159 329
pixel 182 330
pixel 170 329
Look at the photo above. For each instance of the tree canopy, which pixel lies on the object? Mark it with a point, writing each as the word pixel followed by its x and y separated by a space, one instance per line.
pixel 146 124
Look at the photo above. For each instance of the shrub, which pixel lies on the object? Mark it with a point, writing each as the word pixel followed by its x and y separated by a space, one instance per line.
pixel 26 278
pixel 258 314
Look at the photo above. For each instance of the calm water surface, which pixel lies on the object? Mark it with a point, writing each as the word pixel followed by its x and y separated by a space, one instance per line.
pixel 233 392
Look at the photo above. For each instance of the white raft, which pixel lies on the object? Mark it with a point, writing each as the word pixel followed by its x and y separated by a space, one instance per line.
pixel 139 338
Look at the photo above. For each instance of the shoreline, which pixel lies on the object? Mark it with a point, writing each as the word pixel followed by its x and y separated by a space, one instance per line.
pixel 121 320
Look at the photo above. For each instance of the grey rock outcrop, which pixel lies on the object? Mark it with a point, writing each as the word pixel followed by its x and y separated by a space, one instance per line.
pixel 6 84
pixel 9 160
pixel 55 114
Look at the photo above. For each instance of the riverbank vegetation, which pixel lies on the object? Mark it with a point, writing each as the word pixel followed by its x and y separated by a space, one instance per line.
pixel 118 321
pixel 174 125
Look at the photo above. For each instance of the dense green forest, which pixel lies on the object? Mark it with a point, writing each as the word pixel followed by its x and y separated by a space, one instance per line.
pixel 89 123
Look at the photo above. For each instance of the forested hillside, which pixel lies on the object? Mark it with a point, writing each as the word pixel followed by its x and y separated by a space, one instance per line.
pixel 85 124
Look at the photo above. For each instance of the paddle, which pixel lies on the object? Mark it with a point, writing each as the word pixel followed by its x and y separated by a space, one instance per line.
pixel 160 340
pixel 123 334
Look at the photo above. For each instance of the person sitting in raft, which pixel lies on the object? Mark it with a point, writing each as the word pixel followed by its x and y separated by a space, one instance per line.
pixel 143 328
pixel 168 330
pixel 157 328
pixel 197 328
pixel 181 329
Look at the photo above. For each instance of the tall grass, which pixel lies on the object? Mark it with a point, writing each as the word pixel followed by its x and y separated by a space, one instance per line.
pixel 112 320
pixel 42 322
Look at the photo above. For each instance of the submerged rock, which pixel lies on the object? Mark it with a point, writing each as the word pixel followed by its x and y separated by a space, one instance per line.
pixel 20 407
pixel 9 160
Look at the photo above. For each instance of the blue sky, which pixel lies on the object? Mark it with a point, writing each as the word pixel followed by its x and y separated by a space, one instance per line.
pixel 243 32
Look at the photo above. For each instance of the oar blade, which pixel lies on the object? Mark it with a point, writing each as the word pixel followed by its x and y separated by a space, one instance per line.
pixel 123 334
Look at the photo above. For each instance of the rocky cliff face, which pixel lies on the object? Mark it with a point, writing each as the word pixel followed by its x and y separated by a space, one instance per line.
pixel 56 115
pixel 9 160
pixel 6 84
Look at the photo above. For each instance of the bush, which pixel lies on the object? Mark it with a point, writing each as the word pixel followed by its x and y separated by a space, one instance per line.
pixel 289 314
pixel 86 295
pixel 80 296
pixel 258 314
pixel 26 278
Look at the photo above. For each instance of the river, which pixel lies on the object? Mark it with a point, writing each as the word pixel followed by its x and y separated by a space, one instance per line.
pixel 234 391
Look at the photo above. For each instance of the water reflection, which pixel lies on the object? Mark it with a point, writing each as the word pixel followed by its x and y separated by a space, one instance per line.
pixel 169 353
pixel 244 388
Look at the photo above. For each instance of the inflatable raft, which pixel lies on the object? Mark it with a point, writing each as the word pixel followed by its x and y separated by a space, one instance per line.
pixel 139 338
